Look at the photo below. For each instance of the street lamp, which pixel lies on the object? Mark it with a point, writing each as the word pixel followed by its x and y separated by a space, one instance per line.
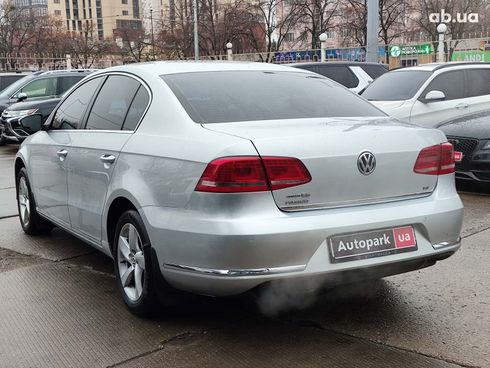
pixel 152 34
pixel 441 29
pixel 323 45
pixel 229 51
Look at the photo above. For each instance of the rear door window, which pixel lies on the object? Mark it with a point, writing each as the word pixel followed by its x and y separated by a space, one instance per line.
pixel 339 73
pixel 450 83
pixel 478 82
pixel 112 103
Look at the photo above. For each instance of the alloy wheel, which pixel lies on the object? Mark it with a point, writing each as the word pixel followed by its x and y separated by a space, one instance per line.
pixel 24 202
pixel 131 261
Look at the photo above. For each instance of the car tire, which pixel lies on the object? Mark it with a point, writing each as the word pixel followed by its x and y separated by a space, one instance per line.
pixel 32 223
pixel 134 265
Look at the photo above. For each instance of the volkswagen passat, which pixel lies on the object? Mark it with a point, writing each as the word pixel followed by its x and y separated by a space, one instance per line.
pixel 216 178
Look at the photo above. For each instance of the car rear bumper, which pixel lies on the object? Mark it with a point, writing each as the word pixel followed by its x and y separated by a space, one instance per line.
pixel 230 253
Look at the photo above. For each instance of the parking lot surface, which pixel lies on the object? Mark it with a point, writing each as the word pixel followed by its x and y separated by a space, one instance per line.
pixel 60 308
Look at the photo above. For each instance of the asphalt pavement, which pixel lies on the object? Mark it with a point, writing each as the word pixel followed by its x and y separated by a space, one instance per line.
pixel 59 307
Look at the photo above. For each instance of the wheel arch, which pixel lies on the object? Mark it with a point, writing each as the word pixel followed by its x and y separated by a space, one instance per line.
pixel 118 206
pixel 19 164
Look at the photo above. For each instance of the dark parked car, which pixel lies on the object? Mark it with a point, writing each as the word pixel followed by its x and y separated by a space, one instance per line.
pixel 13 131
pixel 7 78
pixel 470 135
pixel 33 89
pixel 354 75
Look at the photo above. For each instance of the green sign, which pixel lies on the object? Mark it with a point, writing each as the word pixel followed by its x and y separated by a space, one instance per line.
pixel 471 56
pixel 423 49
pixel 395 51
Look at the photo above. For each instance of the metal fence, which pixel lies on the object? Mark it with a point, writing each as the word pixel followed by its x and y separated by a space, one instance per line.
pixel 395 55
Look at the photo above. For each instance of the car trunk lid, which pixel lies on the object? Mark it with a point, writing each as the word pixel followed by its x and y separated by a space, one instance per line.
pixel 331 150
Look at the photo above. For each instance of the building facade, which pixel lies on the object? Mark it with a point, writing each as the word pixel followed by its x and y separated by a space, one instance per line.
pixel 102 18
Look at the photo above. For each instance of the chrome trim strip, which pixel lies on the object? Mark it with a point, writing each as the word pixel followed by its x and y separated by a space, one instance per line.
pixel 447 244
pixel 237 272
pixel 357 203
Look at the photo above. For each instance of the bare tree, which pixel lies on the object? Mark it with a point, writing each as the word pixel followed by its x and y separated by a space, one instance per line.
pixel 15 26
pixel 392 15
pixel 272 20
pixel 317 16
pixel 135 44
pixel 85 48
pixel 427 20
pixel 354 25
pixel 48 41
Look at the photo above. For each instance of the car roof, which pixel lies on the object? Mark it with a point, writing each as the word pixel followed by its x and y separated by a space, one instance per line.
pixel 348 63
pixel 175 67
pixel 432 67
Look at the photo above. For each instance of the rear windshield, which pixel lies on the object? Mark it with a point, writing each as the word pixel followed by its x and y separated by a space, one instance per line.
pixel 233 96
pixel 396 85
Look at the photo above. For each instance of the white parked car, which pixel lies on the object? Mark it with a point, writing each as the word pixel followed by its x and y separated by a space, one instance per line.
pixel 351 74
pixel 432 93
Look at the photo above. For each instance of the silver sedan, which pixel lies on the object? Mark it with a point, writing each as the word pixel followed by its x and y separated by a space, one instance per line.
pixel 216 178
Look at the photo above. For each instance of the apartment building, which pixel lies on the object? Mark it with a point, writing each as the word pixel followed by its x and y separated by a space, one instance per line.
pixel 37 8
pixel 100 17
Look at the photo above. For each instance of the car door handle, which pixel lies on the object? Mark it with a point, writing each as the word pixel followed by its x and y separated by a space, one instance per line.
pixel 62 153
pixel 462 106
pixel 108 159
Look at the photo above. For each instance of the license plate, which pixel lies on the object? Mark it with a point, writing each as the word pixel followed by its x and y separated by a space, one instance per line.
pixel 370 244
pixel 458 156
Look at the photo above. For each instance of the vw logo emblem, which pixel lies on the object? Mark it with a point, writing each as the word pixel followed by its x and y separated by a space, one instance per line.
pixel 366 163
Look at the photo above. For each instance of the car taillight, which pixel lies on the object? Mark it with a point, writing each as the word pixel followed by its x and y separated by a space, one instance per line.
pixel 246 174
pixel 435 160
pixel 284 172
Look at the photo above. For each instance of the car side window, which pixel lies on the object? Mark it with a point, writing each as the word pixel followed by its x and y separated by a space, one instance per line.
pixel 112 103
pixel 340 74
pixel 66 82
pixel 41 87
pixel 137 109
pixel 374 71
pixel 72 110
pixel 478 81
pixel 450 83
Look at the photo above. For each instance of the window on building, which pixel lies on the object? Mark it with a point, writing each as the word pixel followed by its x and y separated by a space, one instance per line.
pixel 125 12
pixel 57 12
pixel 125 2
pixel 56 1
pixel 288 37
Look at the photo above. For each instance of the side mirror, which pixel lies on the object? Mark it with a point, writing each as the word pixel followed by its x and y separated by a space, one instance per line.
pixel 32 123
pixel 21 96
pixel 433 96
